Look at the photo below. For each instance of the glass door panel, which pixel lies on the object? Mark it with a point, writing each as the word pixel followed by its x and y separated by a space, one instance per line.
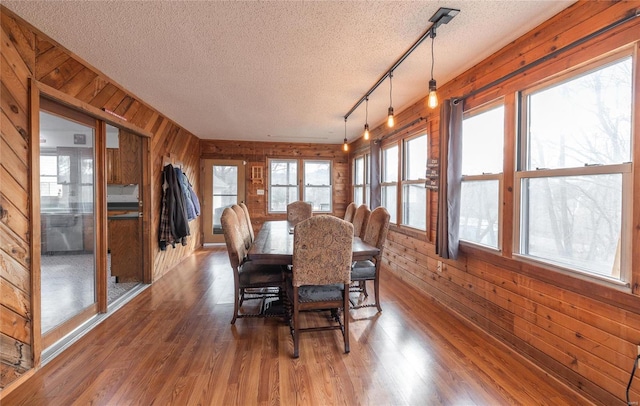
pixel 224 187
pixel 67 189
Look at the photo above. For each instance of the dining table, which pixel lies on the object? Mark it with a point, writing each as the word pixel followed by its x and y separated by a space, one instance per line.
pixel 274 245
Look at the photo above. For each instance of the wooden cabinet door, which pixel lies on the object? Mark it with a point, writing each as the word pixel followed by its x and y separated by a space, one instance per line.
pixel 113 166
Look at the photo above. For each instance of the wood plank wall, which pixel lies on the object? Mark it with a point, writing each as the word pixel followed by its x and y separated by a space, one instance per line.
pixel 27 53
pixel 256 153
pixel 580 332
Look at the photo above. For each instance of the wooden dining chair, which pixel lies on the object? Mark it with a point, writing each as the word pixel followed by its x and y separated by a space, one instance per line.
pixel 263 281
pixel 363 271
pixel 360 219
pixel 298 211
pixel 248 217
pixel 322 256
pixel 350 212
pixel 244 227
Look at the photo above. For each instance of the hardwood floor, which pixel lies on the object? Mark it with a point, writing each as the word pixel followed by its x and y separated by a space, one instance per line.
pixel 173 344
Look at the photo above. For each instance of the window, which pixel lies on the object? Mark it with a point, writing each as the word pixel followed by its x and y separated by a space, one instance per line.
pixel 389 181
pixel 49 185
pixel 361 183
pixel 482 159
pixel 575 170
pixel 283 184
pixel 414 193
pixel 317 185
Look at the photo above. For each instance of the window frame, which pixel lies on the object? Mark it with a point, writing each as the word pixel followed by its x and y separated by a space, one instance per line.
pixel 287 185
pixel 366 172
pixel 499 176
pixel 419 181
pixel 387 183
pixel 625 169
pixel 300 181
pixel 305 185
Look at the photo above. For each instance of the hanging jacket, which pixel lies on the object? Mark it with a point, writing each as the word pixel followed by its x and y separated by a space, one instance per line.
pixel 175 219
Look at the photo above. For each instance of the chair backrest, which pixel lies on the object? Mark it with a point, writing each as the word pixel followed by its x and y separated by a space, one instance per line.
pixel 350 212
pixel 233 237
pixel 377 228
pixel 360 219
pixel 244 227
pixel 322 251
pixel 298 211
pixel 246 214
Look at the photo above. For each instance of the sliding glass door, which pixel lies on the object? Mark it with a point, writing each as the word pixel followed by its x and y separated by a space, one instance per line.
pixel 67 213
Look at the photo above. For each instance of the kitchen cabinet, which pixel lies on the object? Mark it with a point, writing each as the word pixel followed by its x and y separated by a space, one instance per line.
pixel 114 173
pixel 125 245
pixel 124 163
pixel 87 232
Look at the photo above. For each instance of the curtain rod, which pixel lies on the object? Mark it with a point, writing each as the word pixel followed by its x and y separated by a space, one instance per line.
pixel 404 127
pixel 553 54
pixel 441 16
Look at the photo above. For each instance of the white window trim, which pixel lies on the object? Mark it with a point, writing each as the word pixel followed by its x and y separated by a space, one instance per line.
pixel 489 176
pixel 420 181
pixel 625 169
pixel 271 185
pixel 330 185
pixel 396 182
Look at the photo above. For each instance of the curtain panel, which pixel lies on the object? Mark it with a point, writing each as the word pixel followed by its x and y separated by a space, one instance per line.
pixel 448 220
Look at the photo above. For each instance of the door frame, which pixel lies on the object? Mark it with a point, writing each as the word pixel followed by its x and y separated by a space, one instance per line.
pixel 207 190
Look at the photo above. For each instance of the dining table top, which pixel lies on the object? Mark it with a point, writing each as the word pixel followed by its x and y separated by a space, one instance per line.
pixel 274 244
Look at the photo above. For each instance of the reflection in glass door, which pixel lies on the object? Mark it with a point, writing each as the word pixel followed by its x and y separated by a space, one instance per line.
pixel 224 187
pixel 68 264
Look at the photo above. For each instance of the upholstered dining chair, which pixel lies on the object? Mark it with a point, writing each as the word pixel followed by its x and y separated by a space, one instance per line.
pixel 360 219
pixel 246 274
pixel 298 211
pixel 350 212
pixel 320 279
pixel 248 217
pixel 244 227
pixel 363 271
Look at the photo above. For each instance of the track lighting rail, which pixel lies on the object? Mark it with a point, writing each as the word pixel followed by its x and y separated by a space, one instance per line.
pixel 442 16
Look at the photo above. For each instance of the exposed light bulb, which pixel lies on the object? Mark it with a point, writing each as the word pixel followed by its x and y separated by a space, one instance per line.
pixel 366 131
pixel 433 96
pixel 345 146
pixel 390 120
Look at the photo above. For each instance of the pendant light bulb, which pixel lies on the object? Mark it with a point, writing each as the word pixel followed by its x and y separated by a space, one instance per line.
pixel 345 146
pixel 366 121
pixel 390 120
pixel 433 96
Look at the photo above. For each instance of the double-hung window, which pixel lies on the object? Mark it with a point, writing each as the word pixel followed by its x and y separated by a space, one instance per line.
pixel 283 183
pixel 361 185
pixel 414 193
pixel 389 181
pixel 482 161
pixel 284 177
pixel 317 185
pixel 575 172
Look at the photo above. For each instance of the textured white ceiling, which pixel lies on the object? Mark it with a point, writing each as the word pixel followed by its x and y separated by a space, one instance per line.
pixel 284 71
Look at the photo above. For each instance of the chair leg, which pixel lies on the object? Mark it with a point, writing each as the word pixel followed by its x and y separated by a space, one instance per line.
pixel 363 288
pixel 345 316
pixel 236 307
pixel 296 324
pixel 241 296
pixel 376 288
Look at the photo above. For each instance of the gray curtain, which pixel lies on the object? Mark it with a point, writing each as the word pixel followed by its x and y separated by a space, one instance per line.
pixel 447 227
pixel 376 193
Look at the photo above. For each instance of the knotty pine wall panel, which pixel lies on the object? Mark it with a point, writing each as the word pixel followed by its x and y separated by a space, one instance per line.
pixel 17 62
pixel 580 332
pixel 26 54
pixel 256 153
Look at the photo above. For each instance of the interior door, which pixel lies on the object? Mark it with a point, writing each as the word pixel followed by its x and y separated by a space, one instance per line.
pixel 224 186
